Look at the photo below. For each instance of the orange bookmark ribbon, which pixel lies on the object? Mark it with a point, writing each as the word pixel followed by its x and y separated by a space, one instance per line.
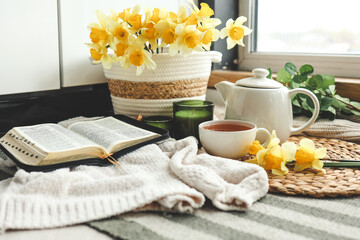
pixel 111 159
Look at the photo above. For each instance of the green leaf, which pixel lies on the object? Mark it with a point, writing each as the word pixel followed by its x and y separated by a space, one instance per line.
pixel 295 101
pixel 357 105
pixel 325 103
pixel 340 103
pixel 355 112
pixel 296 79
pixel 315 81
pixel 310 103
pixel 306 70
pixel 296 109
pixel 294 84
pixel 299 78
pixel 342 98
pixel 306 102
pixel 290 68
pixel 331 110
pixel 270 74
pixel 283 76
pixel 328 80
pixel 332 90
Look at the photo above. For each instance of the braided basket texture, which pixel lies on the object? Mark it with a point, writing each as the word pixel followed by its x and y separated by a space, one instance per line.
pixel 154 91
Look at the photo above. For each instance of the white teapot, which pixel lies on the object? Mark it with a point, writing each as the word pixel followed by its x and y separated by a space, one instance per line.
pixel 265 102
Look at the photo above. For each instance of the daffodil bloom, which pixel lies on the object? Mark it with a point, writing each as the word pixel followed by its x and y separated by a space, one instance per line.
pixel 166 29
pixel 188 40
pixel 211 34
pixel 130 37
pixel 118 31
pixel 235 32
pixel 308 156
pixel 191 20
pixel 155 18
pixel 99 54
pixel 137 56
pixel 204 12
pixel 255 147
pixel 180 17
pixel 98 33
pixel 273 157
pixel 149 34
pixel 133 17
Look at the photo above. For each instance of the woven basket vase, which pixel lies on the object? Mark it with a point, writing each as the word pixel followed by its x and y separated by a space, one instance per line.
pixel 154 91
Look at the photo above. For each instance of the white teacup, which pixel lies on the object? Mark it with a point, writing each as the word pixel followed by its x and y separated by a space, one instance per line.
pixel 229 138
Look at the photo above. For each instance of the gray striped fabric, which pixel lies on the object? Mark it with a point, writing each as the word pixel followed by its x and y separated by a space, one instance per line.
pixel 273 217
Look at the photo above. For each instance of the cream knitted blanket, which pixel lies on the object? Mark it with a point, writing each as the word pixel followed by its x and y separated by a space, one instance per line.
pixel 171 176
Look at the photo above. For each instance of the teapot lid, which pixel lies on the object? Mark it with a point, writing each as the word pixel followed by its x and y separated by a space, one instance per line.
pixel 259 80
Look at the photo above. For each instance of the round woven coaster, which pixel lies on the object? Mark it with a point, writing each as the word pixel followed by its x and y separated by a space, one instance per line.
pixel 337 181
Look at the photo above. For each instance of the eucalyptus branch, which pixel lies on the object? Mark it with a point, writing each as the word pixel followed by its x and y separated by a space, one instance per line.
pixel 327 95
pixel 322 85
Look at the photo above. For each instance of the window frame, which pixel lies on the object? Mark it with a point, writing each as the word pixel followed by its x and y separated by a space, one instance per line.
pixel 337 65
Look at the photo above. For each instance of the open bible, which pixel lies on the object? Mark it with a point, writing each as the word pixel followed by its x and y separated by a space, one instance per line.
pixel 48 144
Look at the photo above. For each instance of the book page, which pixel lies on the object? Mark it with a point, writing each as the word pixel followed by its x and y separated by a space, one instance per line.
pixel 109 131
pixel 53 137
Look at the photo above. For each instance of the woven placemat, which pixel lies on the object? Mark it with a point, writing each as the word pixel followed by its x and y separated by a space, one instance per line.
pixel 338 182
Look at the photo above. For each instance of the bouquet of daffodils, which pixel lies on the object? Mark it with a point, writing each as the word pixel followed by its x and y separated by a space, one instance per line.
pixel 131 37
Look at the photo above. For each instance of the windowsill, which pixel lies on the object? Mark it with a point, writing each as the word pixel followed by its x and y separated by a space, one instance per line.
pixel 345 87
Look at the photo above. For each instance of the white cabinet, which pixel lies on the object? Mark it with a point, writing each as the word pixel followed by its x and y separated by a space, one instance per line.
pixel 76 67
pixel 29 55
pixel 43 42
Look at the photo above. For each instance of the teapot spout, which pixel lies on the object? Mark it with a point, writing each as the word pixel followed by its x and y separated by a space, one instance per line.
pixel 224 89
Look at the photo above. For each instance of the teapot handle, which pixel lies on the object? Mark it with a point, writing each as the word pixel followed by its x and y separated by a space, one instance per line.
pixel 315 113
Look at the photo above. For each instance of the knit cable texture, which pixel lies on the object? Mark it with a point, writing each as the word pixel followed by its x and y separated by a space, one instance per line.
pixel 170 176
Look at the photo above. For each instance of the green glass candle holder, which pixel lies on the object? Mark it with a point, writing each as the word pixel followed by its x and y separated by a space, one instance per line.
pixel 164 122
pixel 188 114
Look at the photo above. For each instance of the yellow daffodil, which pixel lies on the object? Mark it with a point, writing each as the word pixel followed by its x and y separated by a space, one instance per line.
pixel 180 17
pixel 150 34
pixel 273 157
pixel 211 34
pixel 130 37
pixel 99 54
pixel 133 18
pixel 166 30
pixel 137 56
pixel 235 32
pixel 255 147
pixel 308 156
pixel 204 12
pixel 119 32
pixel 98 33
pixel 188 40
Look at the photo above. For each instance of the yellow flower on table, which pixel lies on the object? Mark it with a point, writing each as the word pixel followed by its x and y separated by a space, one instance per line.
pixel 235 32
pixel 274 157
pixel 308 156
pixel 255 147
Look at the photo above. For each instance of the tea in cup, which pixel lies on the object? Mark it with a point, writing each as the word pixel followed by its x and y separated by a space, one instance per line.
pixel 229 138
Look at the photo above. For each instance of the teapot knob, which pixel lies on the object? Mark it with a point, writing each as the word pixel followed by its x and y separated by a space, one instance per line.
pixel 260 72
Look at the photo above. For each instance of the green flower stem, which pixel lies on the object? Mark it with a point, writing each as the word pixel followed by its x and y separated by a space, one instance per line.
pixel 342 164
